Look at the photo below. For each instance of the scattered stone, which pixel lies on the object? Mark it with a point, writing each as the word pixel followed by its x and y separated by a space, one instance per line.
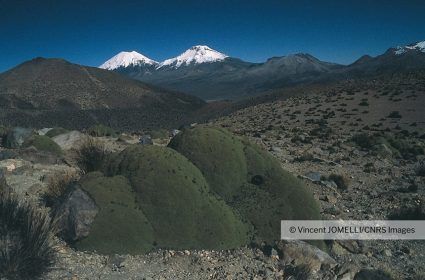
pixel 302 253
pixel 145 140
pixel 314 176
pixel 43 131
pixel 331 199
pixel 387 252
pixel 76 214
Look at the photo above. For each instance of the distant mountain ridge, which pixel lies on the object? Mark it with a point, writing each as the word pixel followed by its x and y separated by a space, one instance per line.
pixel 212 75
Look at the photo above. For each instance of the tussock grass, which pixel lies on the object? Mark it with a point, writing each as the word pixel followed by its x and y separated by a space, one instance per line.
pixel 91 155
pixel 26 250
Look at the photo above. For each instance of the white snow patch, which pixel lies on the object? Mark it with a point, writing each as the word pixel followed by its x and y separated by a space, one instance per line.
pixel 125 59
pixel 196 54
pixel 419 46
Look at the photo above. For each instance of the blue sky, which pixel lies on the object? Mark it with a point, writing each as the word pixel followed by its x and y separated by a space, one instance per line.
pixel 89 32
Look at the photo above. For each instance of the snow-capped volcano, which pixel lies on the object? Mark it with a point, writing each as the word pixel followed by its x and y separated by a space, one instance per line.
pixel 196 55
pixel 125 59
pixel 419 46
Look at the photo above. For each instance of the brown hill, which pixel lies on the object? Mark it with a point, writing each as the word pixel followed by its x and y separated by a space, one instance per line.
pixel 45 88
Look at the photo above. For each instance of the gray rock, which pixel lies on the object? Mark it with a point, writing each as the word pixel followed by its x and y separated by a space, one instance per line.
pixel 329 184
pixel 346 271
pixel 43 131
pixel 76 214
pixel 70 140
pixel 387 252
pixel 146 140
pixel 301 253
pixel 313 176
pixel 174 132
pixel 276 149
pixel 17 136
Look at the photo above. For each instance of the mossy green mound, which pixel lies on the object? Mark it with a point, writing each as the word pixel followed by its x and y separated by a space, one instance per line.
pixel 218 154
pixel 56 131
pixel 248 178
pixel 120 226
pixel 44 143
pixel 177 200
pixel 278 194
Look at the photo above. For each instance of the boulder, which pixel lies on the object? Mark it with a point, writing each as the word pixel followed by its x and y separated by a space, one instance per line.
pixel 145 140
pixel 43 131
pixel 76 214
pixel 17 136
pixel 70 140
pixel 301 253
pixel 313 176
pixel 11 165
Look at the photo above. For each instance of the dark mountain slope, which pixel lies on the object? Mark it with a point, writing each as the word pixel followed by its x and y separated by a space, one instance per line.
pixel 231 77
pixel 49 87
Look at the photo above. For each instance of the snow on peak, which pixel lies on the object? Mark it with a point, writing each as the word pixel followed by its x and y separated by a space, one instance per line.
pixel 196 54
pixel 419 46
pixel 125 59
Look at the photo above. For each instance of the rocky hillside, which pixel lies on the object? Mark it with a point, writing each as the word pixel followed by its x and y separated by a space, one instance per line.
pixel 50 89
pixel 359 145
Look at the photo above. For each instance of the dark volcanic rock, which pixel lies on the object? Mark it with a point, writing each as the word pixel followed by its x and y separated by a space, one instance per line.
pixel 17 136
pixel 76 214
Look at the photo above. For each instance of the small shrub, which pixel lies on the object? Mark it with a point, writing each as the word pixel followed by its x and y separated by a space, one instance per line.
pixel 363 141
pixel 101 130
pixel 394 115
pixel 26 250
pixel 369 168
pixel 91 155
pixel 56 187
pixel 341 181
pixel 419 276
pixel 406 150
pixel 367 274
pixel 4 187
pixel 56 131
pixel 3 133
pixel 300 272
pixel 416 212
pixel 420 169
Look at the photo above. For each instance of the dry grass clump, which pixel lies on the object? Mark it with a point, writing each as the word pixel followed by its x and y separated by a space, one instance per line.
pixel 26 240
pixel 57 185
pixel 341 181
pixel 91 155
